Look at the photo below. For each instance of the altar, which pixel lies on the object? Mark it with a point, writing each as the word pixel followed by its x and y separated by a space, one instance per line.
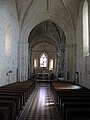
pixel 44 76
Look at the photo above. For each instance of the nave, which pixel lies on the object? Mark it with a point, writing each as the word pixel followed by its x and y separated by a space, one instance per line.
pixel 40 105
pixel 54 100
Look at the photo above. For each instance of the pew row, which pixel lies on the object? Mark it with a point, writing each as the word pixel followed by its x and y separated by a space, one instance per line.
pixel 4 113
pixel 11 106
pixel 71 93
pixel 62 88
pixel 80 106
pixel 18 93
pixel 78 114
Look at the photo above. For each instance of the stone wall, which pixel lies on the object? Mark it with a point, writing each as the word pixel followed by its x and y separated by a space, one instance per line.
pixel 83 63
pixel 9 35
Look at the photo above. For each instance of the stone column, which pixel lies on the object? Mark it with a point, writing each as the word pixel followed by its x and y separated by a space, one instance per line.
pixel 59 61
pixel 61 57
pixel 29 62
pixel 57 64
pixel 70 55
pixel 23 63
pixel 67 62
pixel 26 61
pixel 73 60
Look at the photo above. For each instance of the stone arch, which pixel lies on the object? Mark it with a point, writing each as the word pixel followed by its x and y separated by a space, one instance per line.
pixel 27 28
pixel 31 23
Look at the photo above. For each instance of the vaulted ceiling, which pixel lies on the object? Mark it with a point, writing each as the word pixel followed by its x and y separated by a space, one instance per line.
pixel 52 22
pixel 52 32
pixel 66 10
pixel 25 6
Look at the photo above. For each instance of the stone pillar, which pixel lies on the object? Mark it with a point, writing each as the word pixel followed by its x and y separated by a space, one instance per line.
pixel 61 57
pixel 57 64
pixel 23 64
pixel 70 66
pixel 67 62
pixel 73 59
pixel 26 61
pixel 29 63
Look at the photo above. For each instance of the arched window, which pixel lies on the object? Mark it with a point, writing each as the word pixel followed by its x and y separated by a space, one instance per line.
pixel 43 60
pixel 8 37
pixel 35 63
pixel 51 64
pixel 85 29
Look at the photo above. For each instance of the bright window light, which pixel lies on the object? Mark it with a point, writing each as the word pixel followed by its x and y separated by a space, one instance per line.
pixel 8 37
pixel 35 63
pixel 43 60
pixel 51 64
pixel 85 29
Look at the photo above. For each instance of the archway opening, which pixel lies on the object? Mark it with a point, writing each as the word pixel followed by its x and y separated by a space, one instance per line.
pixel 48 38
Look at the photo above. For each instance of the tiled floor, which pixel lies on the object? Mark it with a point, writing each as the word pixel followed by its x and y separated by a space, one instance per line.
pixel 41 105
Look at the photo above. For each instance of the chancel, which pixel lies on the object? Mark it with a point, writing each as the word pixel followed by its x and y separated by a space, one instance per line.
pixel 44 60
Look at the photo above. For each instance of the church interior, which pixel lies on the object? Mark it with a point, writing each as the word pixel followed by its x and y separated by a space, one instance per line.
pixel 44 60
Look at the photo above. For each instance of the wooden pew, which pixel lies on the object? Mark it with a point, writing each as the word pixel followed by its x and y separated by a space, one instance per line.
pixel 63 92
pixel 15 99
pixel 60 88
pixel 78 114
pixel 74 94
pixel 25 87
pixel 14 93
pixel 73 99
pixel 79 105
pixel 5 113
pixel 11 106
pixel 22 91
pixel 17 93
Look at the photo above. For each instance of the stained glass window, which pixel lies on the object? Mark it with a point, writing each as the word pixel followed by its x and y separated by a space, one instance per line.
pixel 43 60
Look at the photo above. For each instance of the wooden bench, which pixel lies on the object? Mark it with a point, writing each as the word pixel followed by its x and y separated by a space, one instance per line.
pixel 18 93
pixel 78 114
pixel 11 106
pixel 12 93
pixel 68 92
pixel 74 94
pixel 15 99
pixel 60 88
pixel 25 87
pixel 4 113
pixel 22 87
pixel 73 99
pixel 79 105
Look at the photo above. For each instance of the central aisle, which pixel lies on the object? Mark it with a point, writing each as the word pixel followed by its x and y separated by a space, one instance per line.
pixel 41 105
